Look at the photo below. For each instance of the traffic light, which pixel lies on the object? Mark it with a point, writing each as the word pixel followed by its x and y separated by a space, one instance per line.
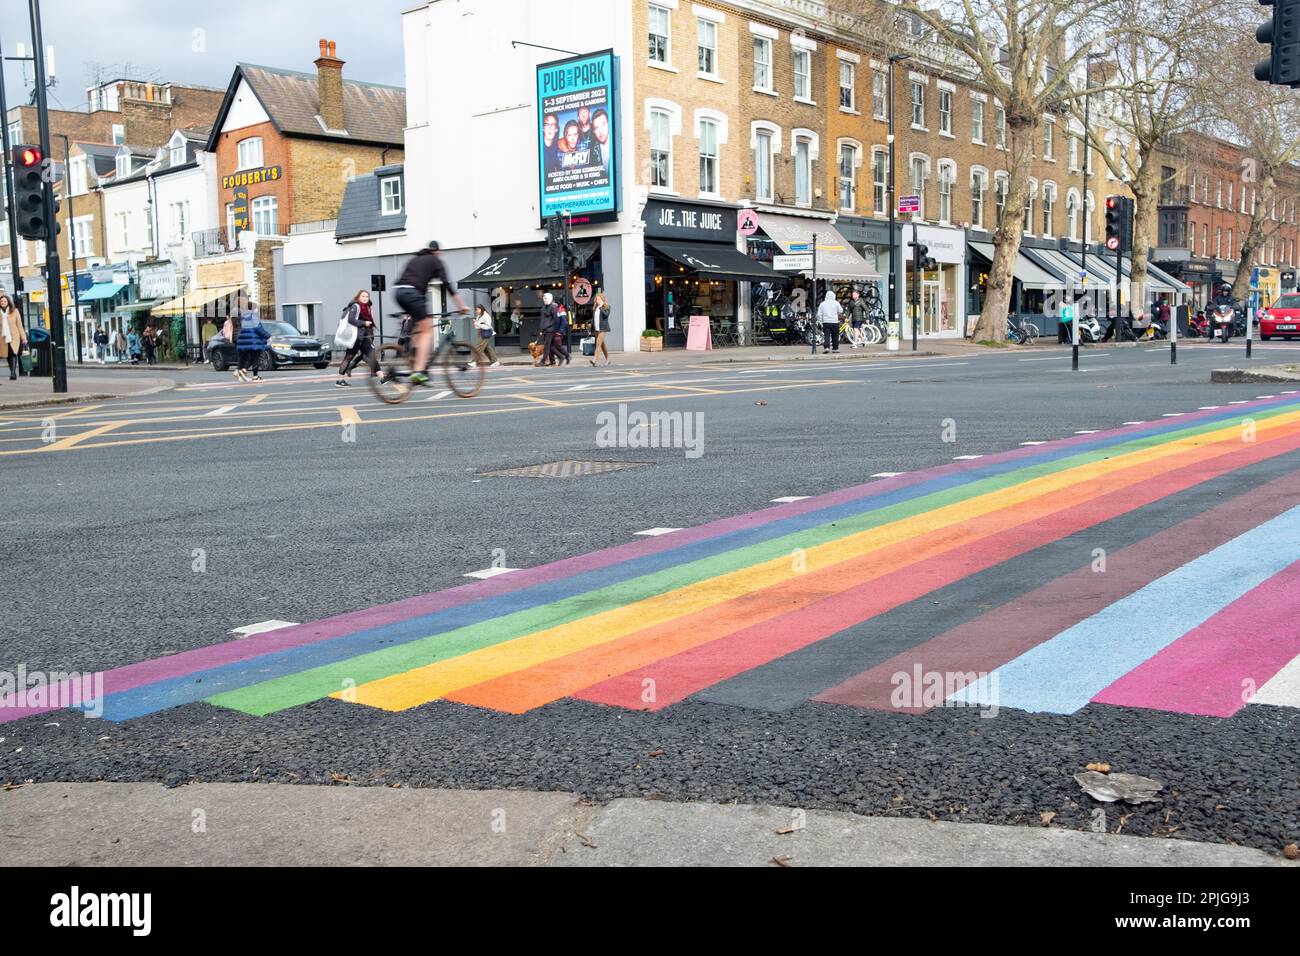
pixel 29 192
pixel 554 245
pixel 923 260
pixel 1282 32
pixel 1114 222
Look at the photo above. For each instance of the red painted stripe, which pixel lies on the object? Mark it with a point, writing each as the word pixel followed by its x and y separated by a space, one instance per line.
pixel 677 677
pixel 1216 668
pixel 1002 635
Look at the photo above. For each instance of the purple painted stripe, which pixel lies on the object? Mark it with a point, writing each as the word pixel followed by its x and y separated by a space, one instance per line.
pixel 131 676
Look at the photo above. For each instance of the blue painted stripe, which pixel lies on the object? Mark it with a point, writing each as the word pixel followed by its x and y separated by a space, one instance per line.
pixel 1063 674
pixel 191 688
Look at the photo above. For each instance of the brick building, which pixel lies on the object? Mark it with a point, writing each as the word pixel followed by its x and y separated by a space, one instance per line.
pixel 287 144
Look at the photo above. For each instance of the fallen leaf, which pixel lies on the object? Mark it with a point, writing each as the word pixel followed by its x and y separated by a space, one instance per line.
pixel 1119 786
pixel 655 753
pixel 1047 817
pixel 781 860
pixel 787 831
pixel 1098 767
pixel 341 778
pixel 1291 851
pixel 586 841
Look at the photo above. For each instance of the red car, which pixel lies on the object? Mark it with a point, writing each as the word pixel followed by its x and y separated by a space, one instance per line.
pixel 1281 319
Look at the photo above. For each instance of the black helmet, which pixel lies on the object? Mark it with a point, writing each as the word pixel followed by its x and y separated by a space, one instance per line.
pixel 433 246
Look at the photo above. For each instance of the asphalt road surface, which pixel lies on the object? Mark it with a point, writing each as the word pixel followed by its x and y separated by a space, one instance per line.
pixel 933 588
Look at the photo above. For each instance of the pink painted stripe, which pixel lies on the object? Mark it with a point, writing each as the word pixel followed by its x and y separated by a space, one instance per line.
pixel 130 676
pixel 1215 669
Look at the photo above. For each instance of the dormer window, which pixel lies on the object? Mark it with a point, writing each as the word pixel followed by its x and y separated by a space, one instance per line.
pixel 123 164
pixel 177 151
pixel 390 195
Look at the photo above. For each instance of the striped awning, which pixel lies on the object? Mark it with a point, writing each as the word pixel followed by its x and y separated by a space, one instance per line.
pixel 196 299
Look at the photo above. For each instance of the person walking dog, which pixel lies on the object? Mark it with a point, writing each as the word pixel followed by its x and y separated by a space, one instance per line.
pixel 486 334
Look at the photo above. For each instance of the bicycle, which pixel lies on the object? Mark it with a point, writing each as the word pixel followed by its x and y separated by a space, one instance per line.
pixel 390 363
pixel 1021 333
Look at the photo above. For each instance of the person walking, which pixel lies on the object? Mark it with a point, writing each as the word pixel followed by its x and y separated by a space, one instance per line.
pixel 358 314
pixel 13 337
pixel 101 345
pixel 600 327
pixel 546 331
pixel 561 336
pixel 830 313
pixel 251 343
pixel 119 346
pixel 150 342
pixel 486 334
pixel 857 319
pixel 133 346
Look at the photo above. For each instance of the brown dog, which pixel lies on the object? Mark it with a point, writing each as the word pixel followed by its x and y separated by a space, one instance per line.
pixel 536 350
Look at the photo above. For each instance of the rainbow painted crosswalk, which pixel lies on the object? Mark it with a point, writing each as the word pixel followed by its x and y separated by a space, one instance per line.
pixel 1155 566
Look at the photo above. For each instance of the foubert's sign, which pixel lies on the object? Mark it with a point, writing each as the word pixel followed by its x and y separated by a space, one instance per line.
pixel 251 177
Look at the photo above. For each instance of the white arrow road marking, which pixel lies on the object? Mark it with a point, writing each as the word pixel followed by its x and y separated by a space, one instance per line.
pixel 656 532
pixel 889 474
pixel 220 411
pixel 790 500
pixel 262 628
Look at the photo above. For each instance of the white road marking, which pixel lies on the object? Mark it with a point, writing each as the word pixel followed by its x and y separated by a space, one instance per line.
pixel 438 396
pixel 1032 444
pixel 577 388
pixel 1173 414
pixel 1093 432
pixel 1209 408
pixel 1284 688
pixel 489 573
pixel 1239 403
pixel 968 458
pixel 262 628
pixel 220 411
pixel 1135 423
pixel 790 500
pixel 1265 396
pixel 656 532
pixel 889 474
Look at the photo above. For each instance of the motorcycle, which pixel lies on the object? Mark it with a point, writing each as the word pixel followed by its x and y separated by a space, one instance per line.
pixel 1225 317
pixel 1198 326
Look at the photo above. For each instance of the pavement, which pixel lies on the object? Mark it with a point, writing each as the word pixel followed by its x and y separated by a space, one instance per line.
pixel 85 384
pixel 1115 545
pixel 219 824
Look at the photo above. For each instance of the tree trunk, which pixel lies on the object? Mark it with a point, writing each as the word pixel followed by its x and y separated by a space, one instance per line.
pixel 1146 193
pixel 1255 237
pixel 1021 132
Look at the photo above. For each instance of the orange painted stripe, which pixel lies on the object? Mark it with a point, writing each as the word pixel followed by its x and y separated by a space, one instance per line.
pixel 533 687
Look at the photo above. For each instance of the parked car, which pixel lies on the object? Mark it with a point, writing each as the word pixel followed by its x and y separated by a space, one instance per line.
pixel 1281 319
pixel 286 347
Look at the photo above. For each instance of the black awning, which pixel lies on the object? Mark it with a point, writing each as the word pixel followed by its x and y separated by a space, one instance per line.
pixel 714 261
pixel 522 266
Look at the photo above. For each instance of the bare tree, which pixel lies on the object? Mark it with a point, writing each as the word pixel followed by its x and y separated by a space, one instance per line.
pixel 1265 121
pixel 1024 52
pixel 1155 65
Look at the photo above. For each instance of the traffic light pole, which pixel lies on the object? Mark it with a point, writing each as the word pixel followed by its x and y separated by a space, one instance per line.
pixel 12 216
pixel 916 275
pixel 53 292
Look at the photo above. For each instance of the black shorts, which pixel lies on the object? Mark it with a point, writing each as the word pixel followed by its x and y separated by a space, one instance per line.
pixel 413 303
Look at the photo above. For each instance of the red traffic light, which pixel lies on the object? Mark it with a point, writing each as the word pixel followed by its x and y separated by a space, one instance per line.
pixel 1112 202
pixel 30 156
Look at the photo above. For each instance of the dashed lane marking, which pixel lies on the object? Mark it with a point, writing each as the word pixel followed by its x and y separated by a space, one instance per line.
pixel 218 412
pixel 789 500
pixel 74 440
pixel 656 532
pixel 262 627
pixel 348 415
pixel 490 573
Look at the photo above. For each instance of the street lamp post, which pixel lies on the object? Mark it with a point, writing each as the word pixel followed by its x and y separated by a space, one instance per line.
pixel 894 317
pixel 72 247
pixel 1087 211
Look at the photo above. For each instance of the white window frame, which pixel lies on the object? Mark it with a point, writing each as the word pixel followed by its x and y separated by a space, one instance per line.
pixel 759 131
pixel 124 228
pixel 703 26
pixel 673 112
pixel 260 205
pixel 119 134
pixel 880 97
pixel 667 36
pixel 78 171
pixel 803 78
pixel 1049 139
pixel 880 187
pixel 1001 192
pixel 999 125
pixel 851 87
pixel 763 83
pixel 947 177
pixel 1028 211
pixel 720 124
pixel 180 219
pixel 1072 213
pixel 854 151
pixel 979 197
pixel 1049 209
pixel 84 229
pixel 122 164
pixel 945 115
pixel 385 194
pixel 246 150
pixel 977 104
pixel 919 188
pixel 809 138
pixel 917 105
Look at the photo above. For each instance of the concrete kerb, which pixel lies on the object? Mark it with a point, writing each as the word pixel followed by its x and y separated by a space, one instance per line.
pixel 202 824
pixel 1265 375
pixel 88 397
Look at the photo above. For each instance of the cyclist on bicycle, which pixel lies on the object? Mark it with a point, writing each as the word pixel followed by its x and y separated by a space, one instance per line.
pixel 412 294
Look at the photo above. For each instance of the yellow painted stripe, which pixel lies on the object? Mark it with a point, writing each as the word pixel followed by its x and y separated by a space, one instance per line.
pixel 348 415
pixel 539 401
pixel 421 685
pixel 75 440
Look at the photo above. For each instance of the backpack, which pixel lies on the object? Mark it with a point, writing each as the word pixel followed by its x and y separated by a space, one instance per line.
pixel 346 333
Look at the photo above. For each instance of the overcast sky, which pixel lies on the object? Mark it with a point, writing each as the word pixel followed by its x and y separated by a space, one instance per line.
pixel 199 41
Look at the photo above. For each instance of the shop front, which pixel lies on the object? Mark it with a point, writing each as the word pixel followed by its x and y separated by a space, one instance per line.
pixel 515 279
pixel 870 237
pixel 938 293
pixel 693 268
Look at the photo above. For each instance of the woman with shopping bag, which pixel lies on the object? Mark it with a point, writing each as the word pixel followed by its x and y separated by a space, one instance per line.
pixel 355 332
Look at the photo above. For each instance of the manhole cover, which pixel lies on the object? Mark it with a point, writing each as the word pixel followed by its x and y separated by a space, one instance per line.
pixel 567 469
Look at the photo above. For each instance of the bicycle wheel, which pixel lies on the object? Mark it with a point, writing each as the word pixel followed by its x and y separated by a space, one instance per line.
pixel 390 372
pixel 1031 332
pixel 874 335
pixel 462 364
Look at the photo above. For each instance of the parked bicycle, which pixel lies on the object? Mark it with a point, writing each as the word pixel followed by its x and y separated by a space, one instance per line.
pixel 1021 333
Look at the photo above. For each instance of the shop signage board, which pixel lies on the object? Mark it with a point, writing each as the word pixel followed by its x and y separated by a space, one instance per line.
pixel 582 291
pixel 798 263
pixel 747 222
pixel 908 204
pixel 669 219
pixel 211 274
pixel 252 177
pixel 699 337
pixel 578 137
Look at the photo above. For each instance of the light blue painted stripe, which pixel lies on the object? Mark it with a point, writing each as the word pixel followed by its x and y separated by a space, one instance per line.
pixel 1062 675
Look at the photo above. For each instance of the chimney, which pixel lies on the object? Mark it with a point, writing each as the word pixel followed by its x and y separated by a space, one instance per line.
pixel 329 80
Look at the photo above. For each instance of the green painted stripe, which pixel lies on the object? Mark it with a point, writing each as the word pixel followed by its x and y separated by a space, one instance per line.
pixel 295 689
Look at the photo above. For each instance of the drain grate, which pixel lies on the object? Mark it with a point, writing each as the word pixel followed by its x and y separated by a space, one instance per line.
pixel 567 469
